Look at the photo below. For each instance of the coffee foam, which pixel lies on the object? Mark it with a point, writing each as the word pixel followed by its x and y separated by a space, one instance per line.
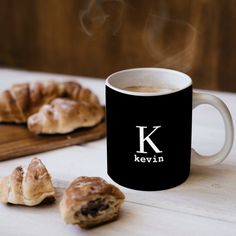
pixel 148 89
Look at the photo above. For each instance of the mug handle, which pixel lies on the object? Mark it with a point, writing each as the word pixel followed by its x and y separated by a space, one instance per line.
pixel 202 160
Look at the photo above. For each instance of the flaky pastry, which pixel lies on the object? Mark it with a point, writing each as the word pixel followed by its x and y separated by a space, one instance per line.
pixel 65 115
pixel 90 201
pixel 27 188
pixel 22 100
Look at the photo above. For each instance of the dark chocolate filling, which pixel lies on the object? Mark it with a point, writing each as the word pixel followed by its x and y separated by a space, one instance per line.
pixel 48 200
pixel 93 207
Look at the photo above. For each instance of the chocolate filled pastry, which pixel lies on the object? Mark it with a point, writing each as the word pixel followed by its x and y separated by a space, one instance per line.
pixel 90 201
pixel 28 188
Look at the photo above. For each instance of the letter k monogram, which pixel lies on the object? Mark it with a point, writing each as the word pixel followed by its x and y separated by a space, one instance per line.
pixel 142 139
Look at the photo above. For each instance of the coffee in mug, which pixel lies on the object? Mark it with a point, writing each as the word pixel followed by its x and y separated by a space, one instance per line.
pixel 148 89
pixel 149 128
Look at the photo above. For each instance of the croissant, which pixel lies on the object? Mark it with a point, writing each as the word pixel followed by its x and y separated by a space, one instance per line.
pixel 23 100
pixel 30 188
pixel 90 201
pixel 64 115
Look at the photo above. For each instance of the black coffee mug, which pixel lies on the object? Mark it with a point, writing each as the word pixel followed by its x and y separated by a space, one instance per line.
pixel 149 123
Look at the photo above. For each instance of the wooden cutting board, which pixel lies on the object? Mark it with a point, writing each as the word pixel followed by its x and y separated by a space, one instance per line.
pixel 16 140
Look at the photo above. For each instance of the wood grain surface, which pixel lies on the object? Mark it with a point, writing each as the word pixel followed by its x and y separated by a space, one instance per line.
pixel 16 140
pixel 96 38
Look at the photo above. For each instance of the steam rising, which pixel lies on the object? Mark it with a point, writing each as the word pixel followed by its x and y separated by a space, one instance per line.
pixel 170 42
pixel 99 12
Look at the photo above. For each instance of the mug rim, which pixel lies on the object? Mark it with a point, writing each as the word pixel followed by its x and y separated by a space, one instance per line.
pixel 157 69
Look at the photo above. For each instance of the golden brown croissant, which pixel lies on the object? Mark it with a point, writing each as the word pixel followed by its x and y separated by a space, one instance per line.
pixel 90 201
pixel 23 100
pixel 65 115
pixel 30 188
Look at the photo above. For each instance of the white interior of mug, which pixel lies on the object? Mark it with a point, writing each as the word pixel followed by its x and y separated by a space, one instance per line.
pixel 170 80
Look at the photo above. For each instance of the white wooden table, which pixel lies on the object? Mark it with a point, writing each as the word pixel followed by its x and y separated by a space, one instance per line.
pixel 204 205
